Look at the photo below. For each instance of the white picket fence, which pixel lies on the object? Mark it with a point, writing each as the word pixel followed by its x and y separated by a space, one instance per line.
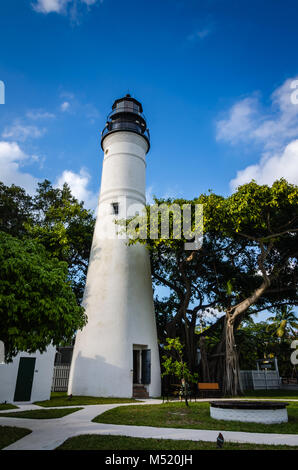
pixel 260 380
pixel 60 378
pixel 246 380
pixel 267 380
pixel 250 379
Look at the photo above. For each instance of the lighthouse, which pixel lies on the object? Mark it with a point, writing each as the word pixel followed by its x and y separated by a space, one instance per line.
pixel 116 354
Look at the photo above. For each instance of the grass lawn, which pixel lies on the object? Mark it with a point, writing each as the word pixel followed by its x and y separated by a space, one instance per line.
pixel 41 414
pixel 97 442
pixel 7 406
pixel 258 394
pixel 196 416
pixel 9 435
pixel 275 394
pixel 61 399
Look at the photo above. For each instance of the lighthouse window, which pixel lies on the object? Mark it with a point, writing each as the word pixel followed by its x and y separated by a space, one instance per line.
pixel 115 207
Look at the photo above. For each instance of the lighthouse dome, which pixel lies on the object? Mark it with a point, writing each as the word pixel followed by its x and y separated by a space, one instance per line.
pixel 126 115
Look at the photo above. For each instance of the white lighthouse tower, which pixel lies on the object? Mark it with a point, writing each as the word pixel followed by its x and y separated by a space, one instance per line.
pixel 116 354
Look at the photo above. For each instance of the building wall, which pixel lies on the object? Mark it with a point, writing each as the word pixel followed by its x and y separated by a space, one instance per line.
pixel 42 378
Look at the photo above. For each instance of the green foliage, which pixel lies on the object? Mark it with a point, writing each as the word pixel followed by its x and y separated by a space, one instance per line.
pixel 258 340
pixel 65 228
pixel 15 210
pixel 37 304
pixel 285 322
pixel 255 210
pixel 253 342
pixel 54 218
pixel 173 364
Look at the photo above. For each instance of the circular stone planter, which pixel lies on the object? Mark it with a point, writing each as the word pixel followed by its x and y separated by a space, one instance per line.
pixel 268 412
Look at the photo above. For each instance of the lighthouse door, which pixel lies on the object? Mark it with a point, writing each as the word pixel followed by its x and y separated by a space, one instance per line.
pixel 136 366
pixel 146 366
pixel 141 365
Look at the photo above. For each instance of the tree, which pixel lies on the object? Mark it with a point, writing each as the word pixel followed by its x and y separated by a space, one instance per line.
pixel 265 219
pixel 256 341
pixel 37 304
pixel 284 323
pixel 54 218
pixel 65 228
pixel 15 210
pixel 174 364
pixel 248 263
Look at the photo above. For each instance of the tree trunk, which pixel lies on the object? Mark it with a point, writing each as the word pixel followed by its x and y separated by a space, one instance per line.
pixel 231 382
pixel 190 348
pixel 204 360
pixel 217 360
pixel 185 398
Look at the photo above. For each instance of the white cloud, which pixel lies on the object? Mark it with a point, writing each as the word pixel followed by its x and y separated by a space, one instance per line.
pixel 149 195
pixel 22 132
pixel 12 158
pixel 240 122
pixel 65 106
pixel 78 183
pixel 204 28
pixel 271 168
pixel 23 129
pixel 273 128
pixel 49 6
pixel 199 34
pixel 59 6
pixel 36 115
pixel 73 105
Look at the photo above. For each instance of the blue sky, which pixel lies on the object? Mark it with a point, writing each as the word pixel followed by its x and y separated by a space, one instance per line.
pixel 214 77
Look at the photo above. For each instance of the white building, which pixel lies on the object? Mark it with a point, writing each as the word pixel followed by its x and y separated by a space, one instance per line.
pixel 28 377
pixel 116 354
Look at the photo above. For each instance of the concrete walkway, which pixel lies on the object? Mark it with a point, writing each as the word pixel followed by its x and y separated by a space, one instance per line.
pixel 47 434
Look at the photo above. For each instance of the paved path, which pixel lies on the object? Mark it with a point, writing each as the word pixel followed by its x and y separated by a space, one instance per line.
pixel 47 434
